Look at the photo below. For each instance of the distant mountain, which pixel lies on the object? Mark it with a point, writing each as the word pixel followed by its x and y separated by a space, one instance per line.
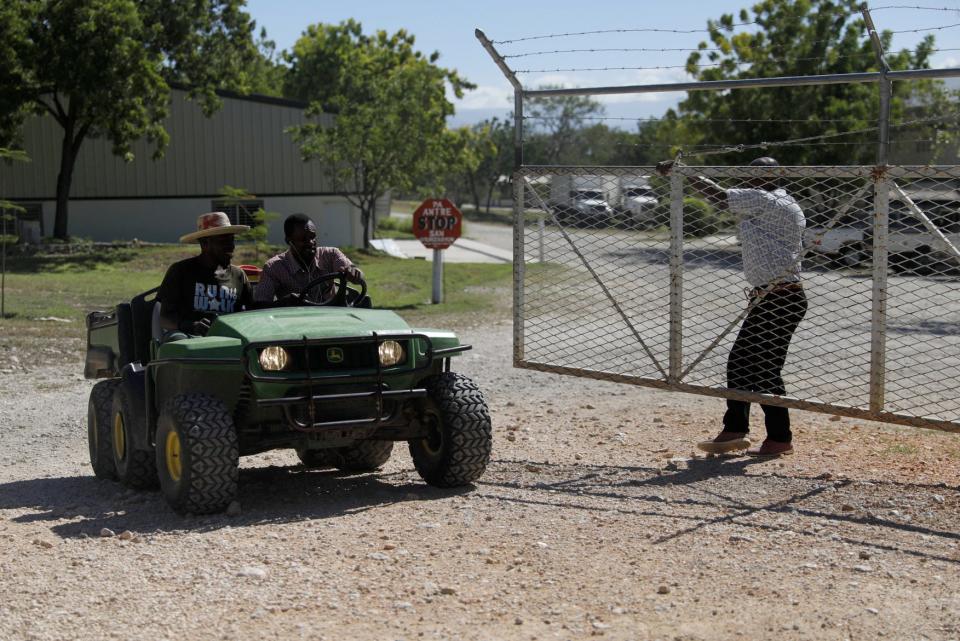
pixel 473 116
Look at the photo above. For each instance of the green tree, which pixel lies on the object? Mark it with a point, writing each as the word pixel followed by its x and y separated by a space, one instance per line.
pixel 391 108
pixel 266 73
pixel 795 37
pixel 102 68
pixel 464 149
pixel 556 123
pixel 15 21
pixel 497 160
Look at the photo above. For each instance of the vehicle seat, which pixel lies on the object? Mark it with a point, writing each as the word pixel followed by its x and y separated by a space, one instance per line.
pixel 141 308
pixel 156 332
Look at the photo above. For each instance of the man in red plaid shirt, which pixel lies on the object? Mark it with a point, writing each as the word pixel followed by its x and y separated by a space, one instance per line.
pixel 288 273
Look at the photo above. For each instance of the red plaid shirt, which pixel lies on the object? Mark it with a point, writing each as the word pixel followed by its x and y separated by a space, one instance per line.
pixel 283 274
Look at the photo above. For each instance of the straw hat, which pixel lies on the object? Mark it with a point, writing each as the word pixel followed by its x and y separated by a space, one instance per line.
pixel 216 223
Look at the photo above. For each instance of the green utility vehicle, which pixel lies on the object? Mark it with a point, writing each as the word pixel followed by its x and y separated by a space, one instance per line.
pixel 335 380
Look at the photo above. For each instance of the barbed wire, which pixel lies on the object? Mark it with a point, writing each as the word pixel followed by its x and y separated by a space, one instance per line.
pixel 668 49
pixel 941 28
pixel 901 124
pixel 606 31
pixel 764 146
pixel 900 6
pixel 711 65
pixel 867 53
pixel 680 31
pixel 699 120
pixel 818 140
pixel 608 50
pixel 715 149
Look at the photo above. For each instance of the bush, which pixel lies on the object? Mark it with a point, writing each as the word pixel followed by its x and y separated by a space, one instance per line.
pixel 700 218
pixel 389 223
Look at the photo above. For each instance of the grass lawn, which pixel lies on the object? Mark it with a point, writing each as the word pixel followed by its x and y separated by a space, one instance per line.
pixel 49 296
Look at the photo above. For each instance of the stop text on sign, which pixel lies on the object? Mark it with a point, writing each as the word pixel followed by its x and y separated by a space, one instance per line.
pixel 437 223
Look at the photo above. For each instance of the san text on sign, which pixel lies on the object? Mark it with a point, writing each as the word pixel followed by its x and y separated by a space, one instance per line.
pixel 437 223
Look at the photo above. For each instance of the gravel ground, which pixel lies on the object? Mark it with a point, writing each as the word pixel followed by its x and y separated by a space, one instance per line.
pixel 593 519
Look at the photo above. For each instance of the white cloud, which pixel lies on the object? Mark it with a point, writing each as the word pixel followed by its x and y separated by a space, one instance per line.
pixel 495 99
pixel 946 63
pixel 615 79
pixel 486 97
pixel 500 96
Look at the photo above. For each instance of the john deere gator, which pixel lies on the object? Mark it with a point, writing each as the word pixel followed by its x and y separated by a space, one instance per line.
pixel 338 382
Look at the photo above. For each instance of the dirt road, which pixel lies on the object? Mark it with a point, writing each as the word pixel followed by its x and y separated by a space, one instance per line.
pixel 592 520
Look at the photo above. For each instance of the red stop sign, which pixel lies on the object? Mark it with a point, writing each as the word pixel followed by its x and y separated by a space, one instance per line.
pixel 437 222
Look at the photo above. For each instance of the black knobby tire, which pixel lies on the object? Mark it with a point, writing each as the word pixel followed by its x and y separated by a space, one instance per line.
pixel 315 458
pixel 99 415
pixel 202 476
pixel 457 449
pixel 135 468
pixel 362 456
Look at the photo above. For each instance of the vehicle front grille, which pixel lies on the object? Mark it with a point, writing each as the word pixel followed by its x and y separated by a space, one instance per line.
pixel 331 357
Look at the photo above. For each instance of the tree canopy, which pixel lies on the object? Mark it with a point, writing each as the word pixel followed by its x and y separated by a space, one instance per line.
pixel 390 101
pixel 103 68
pixel 796 38
pixel 790 38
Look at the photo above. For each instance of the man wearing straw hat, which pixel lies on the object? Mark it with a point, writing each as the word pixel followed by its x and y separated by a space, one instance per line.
pixel 196 290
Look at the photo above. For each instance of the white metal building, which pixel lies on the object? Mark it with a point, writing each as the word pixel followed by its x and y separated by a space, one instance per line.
pixel 242 145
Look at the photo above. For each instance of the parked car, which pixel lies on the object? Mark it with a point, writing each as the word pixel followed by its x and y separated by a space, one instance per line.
pixel 639 201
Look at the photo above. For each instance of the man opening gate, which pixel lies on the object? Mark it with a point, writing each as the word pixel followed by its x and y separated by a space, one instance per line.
pixel 626 275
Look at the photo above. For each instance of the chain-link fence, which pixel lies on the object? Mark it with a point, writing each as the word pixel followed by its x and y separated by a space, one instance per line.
pixel 627 275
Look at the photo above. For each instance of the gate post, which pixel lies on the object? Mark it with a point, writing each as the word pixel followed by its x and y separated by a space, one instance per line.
pixel 878 315
pixel 676 276
pixel 519 265
pixel 881 209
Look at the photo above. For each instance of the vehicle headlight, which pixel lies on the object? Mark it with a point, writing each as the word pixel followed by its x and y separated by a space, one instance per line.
pixel 274 358
pixel 391 353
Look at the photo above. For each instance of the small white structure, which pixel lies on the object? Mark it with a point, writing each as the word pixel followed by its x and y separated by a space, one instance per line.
pixel 242 145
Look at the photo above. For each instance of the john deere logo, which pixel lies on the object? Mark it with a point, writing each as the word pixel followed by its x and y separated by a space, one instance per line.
pixel 334 354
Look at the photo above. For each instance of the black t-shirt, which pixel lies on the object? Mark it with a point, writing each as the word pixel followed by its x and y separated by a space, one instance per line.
pixel 191 291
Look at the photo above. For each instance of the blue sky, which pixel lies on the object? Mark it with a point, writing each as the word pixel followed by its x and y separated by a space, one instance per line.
pixel 448 27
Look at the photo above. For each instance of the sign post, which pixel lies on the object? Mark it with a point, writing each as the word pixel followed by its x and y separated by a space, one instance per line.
pixel 437 223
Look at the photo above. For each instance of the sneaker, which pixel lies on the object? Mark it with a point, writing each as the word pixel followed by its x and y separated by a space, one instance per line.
pixel 771 449
pixel 725 442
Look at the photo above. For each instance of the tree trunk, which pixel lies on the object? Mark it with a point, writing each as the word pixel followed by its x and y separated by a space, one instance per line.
pixel 366 215
pixel 490 188
pixel 474 192
pixel 68 158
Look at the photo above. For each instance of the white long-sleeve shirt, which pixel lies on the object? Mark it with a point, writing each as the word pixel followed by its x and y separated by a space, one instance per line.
pixel 771 234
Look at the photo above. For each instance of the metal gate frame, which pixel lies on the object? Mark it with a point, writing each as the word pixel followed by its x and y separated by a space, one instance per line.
pixel 882 180
pixel 881 174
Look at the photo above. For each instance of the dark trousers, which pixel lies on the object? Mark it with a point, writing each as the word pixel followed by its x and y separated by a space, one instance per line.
pixel 757 358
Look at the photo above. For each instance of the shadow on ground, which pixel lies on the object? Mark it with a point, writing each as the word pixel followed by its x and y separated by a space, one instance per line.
pixel 675 504
pixel 268 495
pixel 723 490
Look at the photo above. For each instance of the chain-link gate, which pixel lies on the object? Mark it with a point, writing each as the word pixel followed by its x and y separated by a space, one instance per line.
pixel 626 275
pixel 623 274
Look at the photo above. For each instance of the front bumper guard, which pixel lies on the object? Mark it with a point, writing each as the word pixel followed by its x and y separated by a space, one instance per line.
pixel 378 395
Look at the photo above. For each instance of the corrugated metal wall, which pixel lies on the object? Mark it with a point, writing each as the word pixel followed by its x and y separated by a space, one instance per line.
pixel 242 145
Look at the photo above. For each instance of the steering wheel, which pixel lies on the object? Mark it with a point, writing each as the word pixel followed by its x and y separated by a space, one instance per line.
pixel 339 297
